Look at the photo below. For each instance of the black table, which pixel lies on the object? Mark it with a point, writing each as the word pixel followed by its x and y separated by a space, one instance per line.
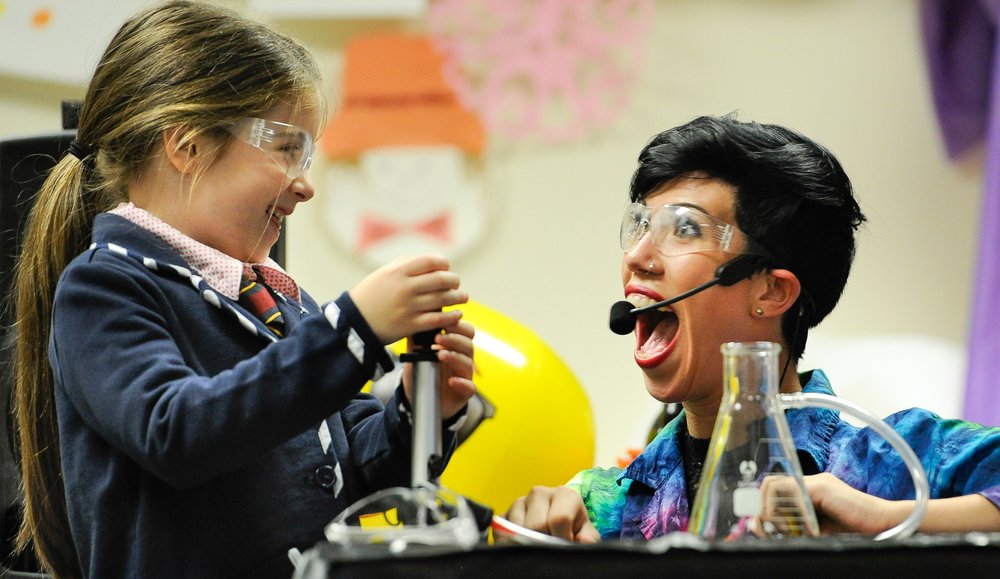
pixel 844 557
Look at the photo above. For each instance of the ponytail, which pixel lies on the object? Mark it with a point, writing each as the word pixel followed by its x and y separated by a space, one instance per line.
pixel 58 229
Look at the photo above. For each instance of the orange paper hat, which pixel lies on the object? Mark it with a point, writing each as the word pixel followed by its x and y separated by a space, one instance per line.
pixel 394 93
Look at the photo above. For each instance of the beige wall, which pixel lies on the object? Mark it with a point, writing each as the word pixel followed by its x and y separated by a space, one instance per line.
pixel 849 73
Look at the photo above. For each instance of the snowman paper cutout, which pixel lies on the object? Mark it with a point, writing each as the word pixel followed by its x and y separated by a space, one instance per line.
pixel 404 174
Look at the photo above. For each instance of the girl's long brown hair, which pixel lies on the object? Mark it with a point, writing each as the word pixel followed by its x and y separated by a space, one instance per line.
pixel 175 64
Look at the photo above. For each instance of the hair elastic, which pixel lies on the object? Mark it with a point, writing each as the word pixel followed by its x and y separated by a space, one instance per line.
pixel 78 150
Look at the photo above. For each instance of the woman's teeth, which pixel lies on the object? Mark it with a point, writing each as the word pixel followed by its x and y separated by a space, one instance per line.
pixel 639 300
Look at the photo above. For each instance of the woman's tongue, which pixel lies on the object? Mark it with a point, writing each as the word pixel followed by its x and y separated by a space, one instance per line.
pixel 661 335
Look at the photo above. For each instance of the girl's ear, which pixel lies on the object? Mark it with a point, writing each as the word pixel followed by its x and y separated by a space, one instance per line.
pixel 775 291
pixel 181 149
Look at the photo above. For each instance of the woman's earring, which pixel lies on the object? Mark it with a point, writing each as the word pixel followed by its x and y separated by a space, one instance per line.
pixel 759 311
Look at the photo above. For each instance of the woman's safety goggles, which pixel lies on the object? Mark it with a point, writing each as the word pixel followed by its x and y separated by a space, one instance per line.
pixel 679 229
pixel 289 146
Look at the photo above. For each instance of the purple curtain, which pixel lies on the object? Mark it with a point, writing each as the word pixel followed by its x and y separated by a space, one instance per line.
pixel 963 57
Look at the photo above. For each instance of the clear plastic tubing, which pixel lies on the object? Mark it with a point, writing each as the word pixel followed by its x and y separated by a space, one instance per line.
pixel 916 469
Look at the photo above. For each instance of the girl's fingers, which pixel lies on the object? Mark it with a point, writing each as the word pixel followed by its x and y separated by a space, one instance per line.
pixel 432 302
pixel 422 264
pixel 435 319
pixel 458 344
pixel 437 281
pixel 463 388
pixel 462 328
pixel 456 364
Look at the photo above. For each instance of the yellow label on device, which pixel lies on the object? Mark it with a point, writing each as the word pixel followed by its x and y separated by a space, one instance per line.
pixel 388 518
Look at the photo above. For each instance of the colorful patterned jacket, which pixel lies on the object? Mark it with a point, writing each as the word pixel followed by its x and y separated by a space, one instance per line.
pixel 648 498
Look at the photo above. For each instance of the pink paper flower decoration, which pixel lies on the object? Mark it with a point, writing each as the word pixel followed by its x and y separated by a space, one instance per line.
pixel 551 70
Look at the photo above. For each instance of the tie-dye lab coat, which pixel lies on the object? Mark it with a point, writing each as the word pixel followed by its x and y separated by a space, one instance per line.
pixel 648 498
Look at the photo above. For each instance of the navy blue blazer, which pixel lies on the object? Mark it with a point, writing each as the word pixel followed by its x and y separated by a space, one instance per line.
pixel 194 442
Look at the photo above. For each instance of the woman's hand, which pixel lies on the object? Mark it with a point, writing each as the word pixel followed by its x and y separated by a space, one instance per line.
pixel 841 508
pixel 556 511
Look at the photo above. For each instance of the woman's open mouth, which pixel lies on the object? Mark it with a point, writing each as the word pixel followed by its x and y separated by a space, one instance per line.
pixel 655 334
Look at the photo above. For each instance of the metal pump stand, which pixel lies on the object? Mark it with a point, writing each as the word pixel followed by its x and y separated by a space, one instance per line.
pixel 427 453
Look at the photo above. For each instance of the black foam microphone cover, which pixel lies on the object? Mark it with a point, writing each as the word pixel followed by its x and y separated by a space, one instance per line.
pixel 622 320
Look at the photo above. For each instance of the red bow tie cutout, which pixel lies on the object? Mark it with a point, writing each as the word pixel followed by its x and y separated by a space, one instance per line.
pixel 374 229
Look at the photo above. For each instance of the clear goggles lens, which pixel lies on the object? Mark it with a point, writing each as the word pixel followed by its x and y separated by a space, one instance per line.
pixel 289 146
pixel 676 229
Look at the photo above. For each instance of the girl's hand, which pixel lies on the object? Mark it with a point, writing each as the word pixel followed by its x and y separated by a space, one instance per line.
pixel 405 296
pixel 455 353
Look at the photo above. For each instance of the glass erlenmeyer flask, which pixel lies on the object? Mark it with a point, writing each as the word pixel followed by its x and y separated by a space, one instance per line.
pixel 752 482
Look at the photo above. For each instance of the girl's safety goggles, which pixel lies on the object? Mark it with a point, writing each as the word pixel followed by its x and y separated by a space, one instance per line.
pixel 289 146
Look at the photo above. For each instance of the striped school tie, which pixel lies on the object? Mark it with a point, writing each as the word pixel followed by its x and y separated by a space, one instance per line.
pixel 256 297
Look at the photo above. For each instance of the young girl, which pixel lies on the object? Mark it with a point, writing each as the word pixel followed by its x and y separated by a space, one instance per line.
pixel 165 428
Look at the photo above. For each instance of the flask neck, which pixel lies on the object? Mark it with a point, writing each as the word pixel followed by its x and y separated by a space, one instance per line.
pixel 750 370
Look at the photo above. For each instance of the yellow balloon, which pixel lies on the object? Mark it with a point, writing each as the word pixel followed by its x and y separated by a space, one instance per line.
pixel 542 430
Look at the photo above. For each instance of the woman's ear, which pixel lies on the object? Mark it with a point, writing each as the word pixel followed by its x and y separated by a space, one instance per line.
pixel 775 291
pixel 181 149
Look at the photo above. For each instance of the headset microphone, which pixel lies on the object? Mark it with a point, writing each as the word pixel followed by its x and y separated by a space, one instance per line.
pixel 623 313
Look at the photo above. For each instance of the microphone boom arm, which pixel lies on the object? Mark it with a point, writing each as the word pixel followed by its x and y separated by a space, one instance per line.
pixel 742 267
pixel 676 298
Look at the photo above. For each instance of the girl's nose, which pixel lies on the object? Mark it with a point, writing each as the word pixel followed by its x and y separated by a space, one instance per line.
pixel 303 188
